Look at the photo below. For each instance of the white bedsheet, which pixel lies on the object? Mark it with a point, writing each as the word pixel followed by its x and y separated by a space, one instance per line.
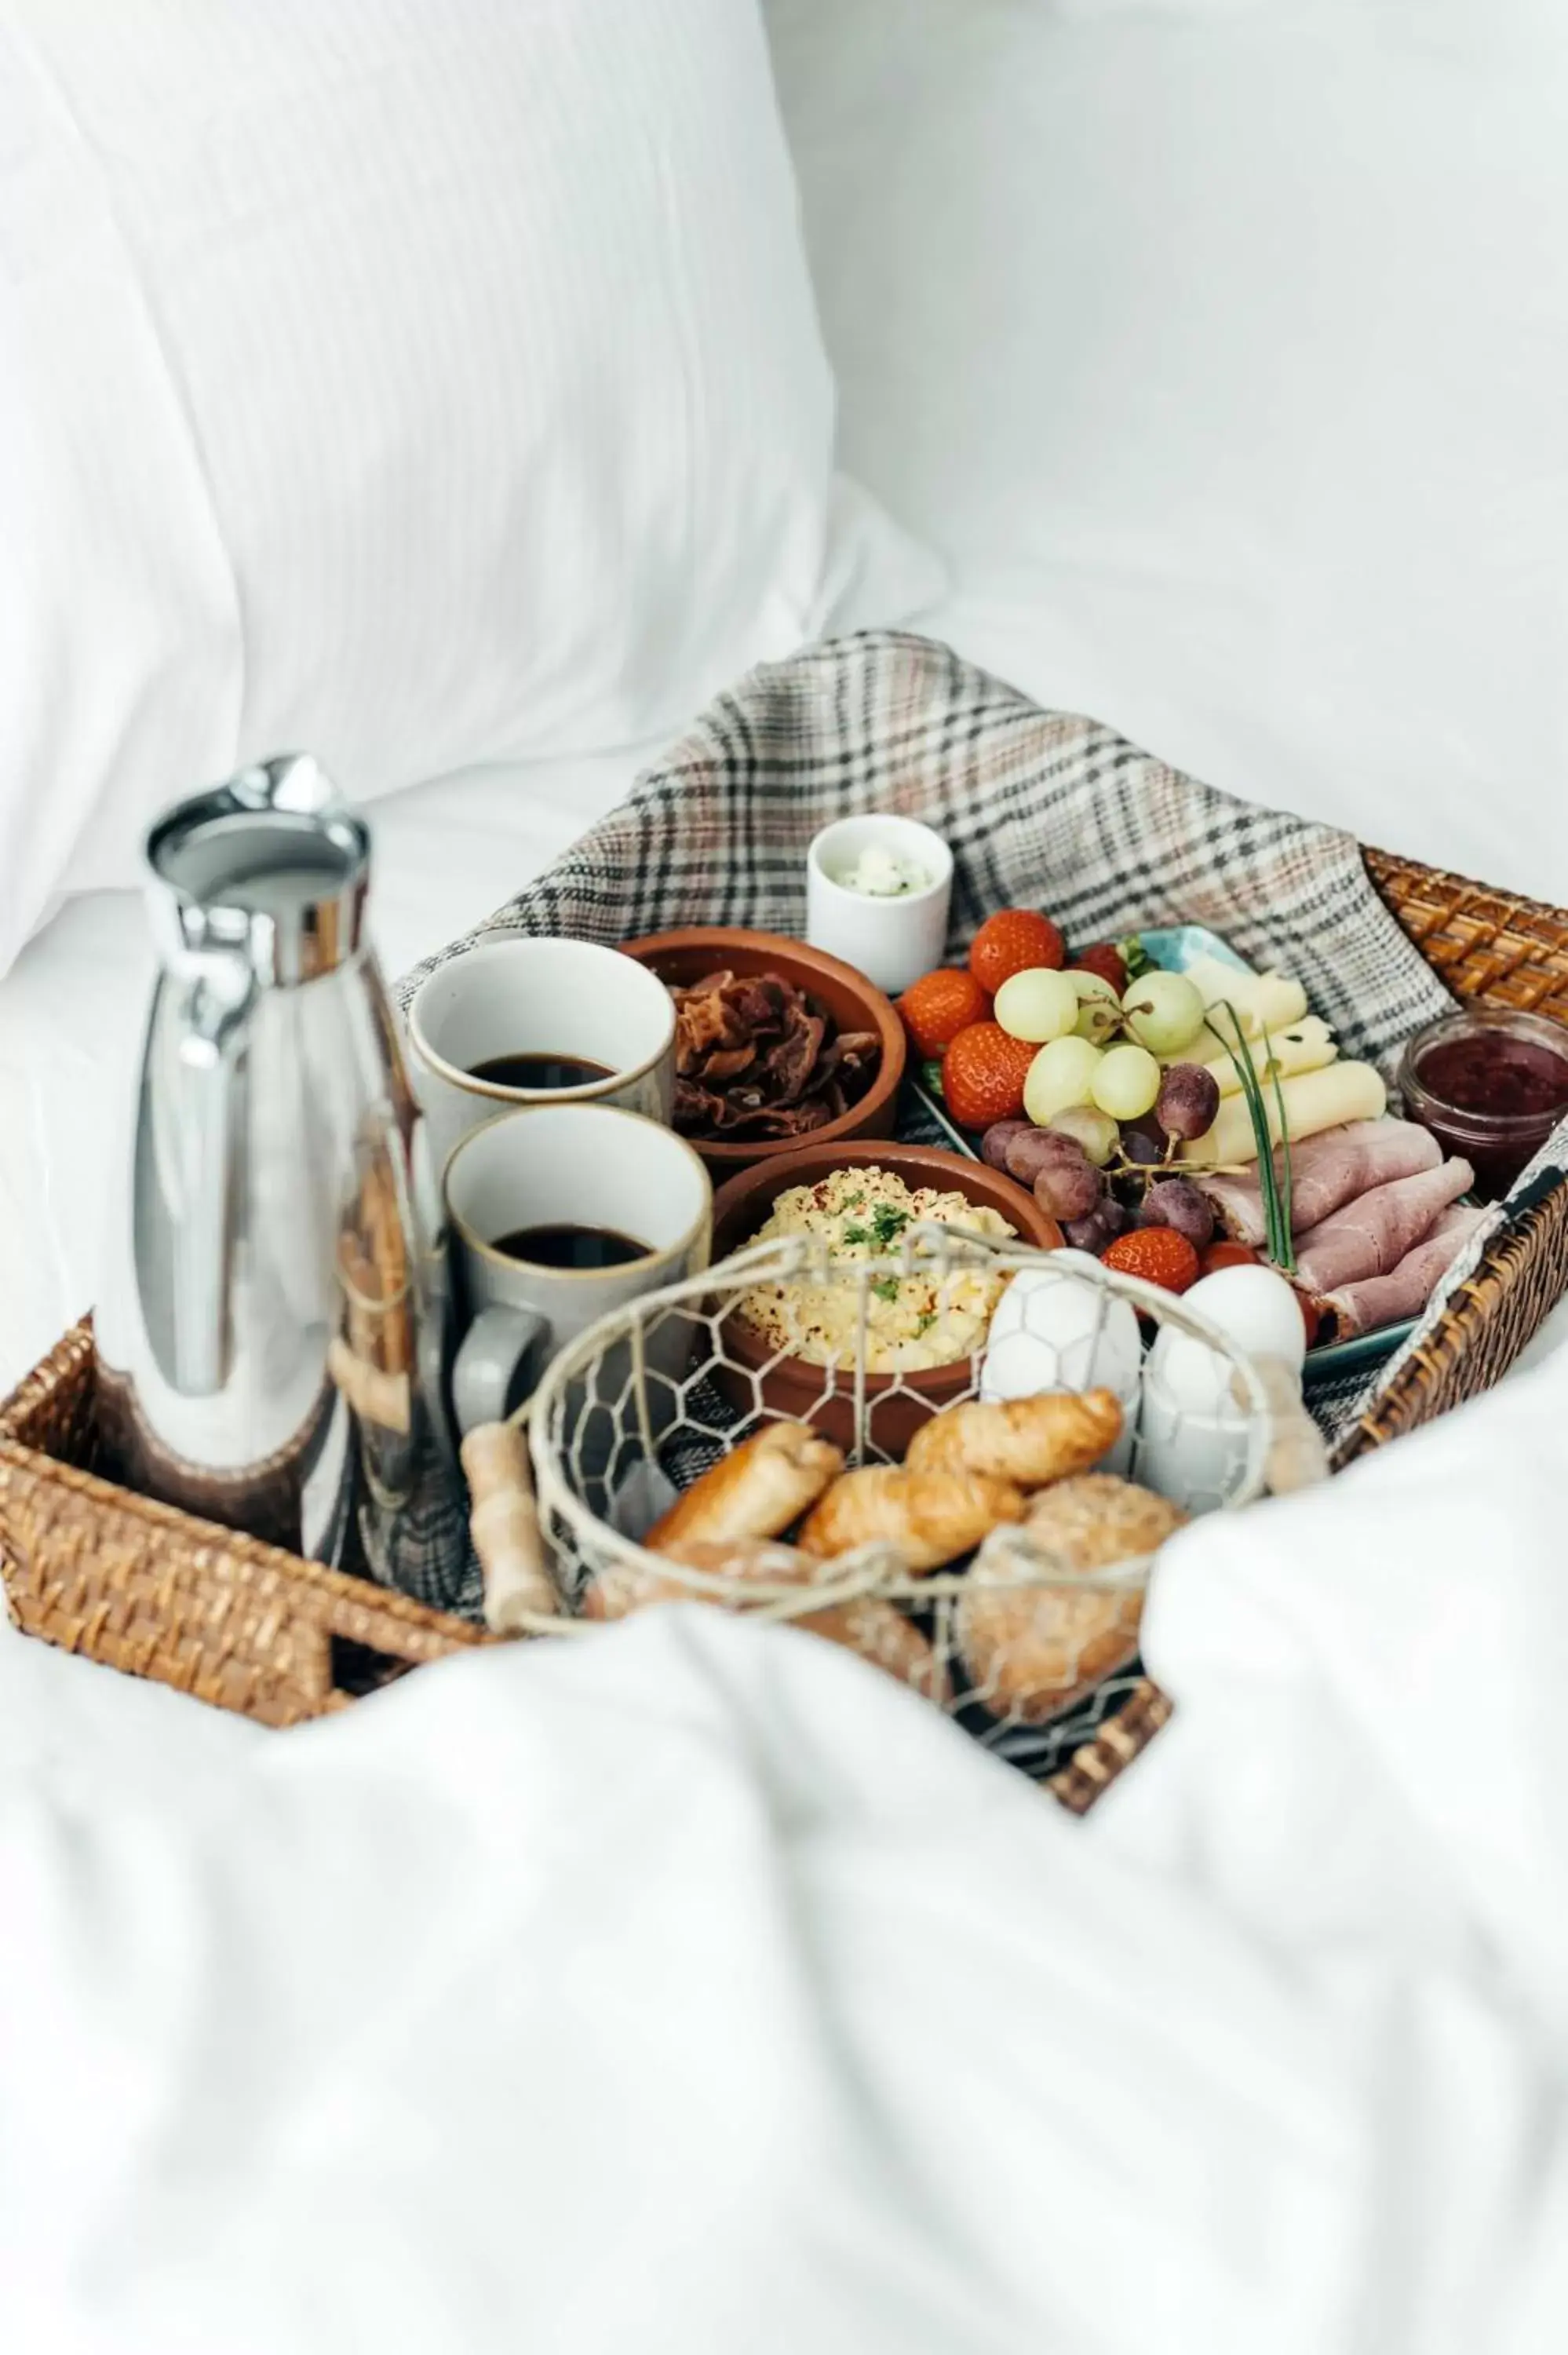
pixel 693 1988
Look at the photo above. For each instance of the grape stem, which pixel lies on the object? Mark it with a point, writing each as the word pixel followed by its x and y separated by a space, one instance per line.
pixel 1120 1167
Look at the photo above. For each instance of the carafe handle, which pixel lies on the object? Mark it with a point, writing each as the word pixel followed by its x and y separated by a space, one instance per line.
pixel 218 990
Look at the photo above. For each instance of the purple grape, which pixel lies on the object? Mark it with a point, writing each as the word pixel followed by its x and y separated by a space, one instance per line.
pixel 999 1136
pixel 1038 1149
pixel 1147 1152
pixel 1068 1190
pixel 1187 1104
pixel 1143 1145
pixel 1177 1202
pixel 1100 1228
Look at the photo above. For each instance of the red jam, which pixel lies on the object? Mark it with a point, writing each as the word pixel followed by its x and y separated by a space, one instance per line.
pixel 1488 1072
pixel 1490 1087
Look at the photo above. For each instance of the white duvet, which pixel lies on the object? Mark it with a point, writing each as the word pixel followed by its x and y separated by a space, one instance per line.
pixel 691 1986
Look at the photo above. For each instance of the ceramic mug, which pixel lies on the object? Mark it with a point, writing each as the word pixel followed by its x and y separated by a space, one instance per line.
pixel 564 1164
pixel 515 996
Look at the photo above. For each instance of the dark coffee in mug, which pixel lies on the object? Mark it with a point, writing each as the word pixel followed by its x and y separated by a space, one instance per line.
pixel 572 1246
pixel 540 1071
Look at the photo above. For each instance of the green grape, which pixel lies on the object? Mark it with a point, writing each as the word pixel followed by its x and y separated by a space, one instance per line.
pixel 1096 1132
pixel 1163 1011
pixel 1126 1082
pixel 1038 1005
pixel 1099 1008
pixel 1060 1074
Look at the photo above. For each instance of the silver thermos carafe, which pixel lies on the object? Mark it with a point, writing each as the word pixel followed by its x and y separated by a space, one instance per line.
pixel 272 1322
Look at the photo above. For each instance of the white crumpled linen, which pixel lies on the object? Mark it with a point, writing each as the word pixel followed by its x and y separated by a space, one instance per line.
pixel 691 1986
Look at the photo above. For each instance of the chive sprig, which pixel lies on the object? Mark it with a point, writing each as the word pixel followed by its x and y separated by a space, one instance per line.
pixel 1274 1185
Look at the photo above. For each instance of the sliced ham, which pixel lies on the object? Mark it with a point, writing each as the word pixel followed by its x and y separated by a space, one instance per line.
pixel 1370 1236
pixel 1407 1288
pixel 1326 1172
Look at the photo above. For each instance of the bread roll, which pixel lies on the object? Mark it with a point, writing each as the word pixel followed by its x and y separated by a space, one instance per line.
pixel 1029 1440
pixel 755 1491
pixel 631 1586
pixel 1034 1649
pixel 877 1630
pixel 930 1517
pixel 881 1634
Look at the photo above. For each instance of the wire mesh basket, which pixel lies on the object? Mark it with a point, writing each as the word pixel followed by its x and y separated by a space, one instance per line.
pixel 1027 1634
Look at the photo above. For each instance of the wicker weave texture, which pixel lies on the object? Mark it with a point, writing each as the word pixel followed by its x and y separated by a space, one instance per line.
pixel 154 1592
pixel 1487 947
pixel 142 1587
pixel 1492 949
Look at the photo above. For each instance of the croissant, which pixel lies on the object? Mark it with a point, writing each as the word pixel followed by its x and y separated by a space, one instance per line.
pixel 755 1491
pixel 1034 1643
pixel 1030 1441
pixel 930 1517
pixel 876 1629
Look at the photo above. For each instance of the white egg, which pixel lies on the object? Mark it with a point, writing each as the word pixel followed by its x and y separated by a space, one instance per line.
pixel 1255 1309
pixel 1055 1329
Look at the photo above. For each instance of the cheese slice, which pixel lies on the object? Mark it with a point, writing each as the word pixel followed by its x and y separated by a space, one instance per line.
pixel 1306 1046
pixel 1265 1001
pixel 1326 1098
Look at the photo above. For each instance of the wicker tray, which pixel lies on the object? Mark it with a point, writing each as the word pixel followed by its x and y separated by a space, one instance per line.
pixel 144 1588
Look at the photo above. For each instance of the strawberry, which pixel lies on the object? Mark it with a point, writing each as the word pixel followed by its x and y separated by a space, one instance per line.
pixel 1226 1253
pixel 938 1006
pixel 1104 959
pixel 983 1073
pixel 1157 1254
pixel 1013 940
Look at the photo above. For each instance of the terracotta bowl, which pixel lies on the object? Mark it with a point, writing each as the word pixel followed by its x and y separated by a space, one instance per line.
pixel 824 1396
pixel 686 956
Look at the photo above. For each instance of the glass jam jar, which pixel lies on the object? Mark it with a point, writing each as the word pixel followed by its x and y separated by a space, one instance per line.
pixel 1490 1086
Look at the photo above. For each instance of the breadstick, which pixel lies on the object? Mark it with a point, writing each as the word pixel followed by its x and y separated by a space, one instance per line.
pixel 1030 1441
pixel 874 1628
pixel 1035 1643
pixel 376 1396
pixel 505 1524
pixel 757 1490
pixel 928 1518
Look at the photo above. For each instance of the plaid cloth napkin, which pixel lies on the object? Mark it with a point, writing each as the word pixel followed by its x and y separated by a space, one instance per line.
pixel 1039 809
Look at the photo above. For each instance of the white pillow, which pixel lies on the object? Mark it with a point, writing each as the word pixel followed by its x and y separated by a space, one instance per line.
pixel 423 381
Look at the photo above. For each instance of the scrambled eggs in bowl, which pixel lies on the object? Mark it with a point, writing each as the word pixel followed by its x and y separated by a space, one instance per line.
pixel 912 1322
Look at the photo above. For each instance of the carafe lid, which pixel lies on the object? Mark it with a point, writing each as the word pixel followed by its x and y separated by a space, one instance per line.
pixel 273 864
